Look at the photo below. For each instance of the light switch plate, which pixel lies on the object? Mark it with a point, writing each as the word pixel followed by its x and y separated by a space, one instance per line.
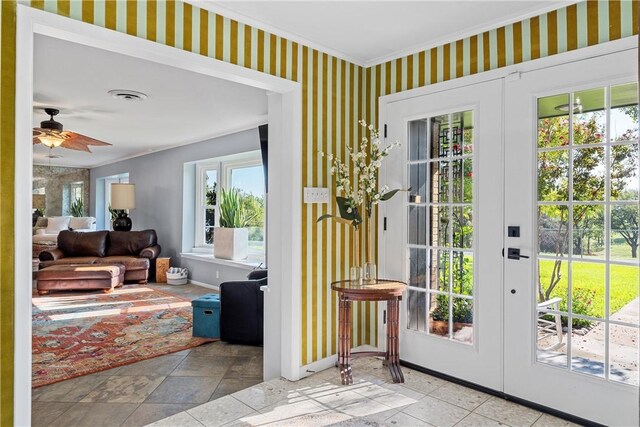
pixel 316 195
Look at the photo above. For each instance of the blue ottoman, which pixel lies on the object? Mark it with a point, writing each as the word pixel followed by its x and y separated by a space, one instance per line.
pixel 206 316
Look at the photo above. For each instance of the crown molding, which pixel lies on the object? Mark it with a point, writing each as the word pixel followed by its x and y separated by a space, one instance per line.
pixel 212 6
pixel 492 25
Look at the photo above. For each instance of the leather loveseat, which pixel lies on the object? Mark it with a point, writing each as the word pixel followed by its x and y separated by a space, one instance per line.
pixel 136 250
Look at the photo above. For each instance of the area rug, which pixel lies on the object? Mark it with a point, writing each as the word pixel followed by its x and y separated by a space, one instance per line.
pixel 81 333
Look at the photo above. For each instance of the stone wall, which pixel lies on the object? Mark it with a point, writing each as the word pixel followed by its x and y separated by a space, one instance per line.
pixel 56 182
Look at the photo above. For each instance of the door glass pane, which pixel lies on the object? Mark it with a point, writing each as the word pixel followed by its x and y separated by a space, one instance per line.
pixel 418 140
pixel 418 267
pixel 589 118
pixel 623 172
pixel 418 225
pixel 447 192
pixel 588 280
pixel 553 230
pixel 588 231
pixel 439 182
pixel 623 351
pixel 553 121
pixel 553 175
pixel 439 314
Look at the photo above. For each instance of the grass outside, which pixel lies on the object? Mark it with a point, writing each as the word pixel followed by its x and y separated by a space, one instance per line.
pixel 624 283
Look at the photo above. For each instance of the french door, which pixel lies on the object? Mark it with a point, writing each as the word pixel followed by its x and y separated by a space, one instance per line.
pixel 571 164
pixel 519 234
pixel 443 236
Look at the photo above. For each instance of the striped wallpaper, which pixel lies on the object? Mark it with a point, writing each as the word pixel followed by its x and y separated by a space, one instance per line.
pixel 336 94
pixel 580 25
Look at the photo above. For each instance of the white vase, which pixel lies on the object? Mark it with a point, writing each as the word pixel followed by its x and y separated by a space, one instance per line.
pixel 230 243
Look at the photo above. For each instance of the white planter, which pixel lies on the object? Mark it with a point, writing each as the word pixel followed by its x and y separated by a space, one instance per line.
pixel 230 243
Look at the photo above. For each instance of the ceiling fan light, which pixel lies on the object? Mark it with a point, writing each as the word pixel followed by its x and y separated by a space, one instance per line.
pixel 51 140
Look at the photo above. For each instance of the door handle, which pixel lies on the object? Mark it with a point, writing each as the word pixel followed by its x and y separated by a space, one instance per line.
pixel 514 253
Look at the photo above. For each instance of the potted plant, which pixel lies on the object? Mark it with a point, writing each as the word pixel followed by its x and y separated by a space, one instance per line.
pixel 231 239
pixel 77 208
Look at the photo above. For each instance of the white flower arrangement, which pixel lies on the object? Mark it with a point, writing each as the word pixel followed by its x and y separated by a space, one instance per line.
pixel 357 184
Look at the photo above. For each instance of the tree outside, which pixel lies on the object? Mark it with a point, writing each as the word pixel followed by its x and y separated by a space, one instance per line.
pixel 588 218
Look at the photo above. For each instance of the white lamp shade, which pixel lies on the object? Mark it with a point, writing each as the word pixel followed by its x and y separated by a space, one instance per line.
pixel 123 196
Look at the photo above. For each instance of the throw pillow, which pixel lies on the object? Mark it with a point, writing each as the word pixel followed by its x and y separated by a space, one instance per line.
pixel 82 223
pixel 42 221
pixel 56 224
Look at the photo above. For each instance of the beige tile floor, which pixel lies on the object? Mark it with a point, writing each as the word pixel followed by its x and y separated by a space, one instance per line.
pixel 372 400
pixel 220 384
pixel 150 390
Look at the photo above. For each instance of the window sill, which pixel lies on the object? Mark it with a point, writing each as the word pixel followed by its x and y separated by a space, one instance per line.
pixel 248 264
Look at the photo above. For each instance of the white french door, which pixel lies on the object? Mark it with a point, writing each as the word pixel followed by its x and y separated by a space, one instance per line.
pixel 443 236
pixel 571 168
pixel 546 168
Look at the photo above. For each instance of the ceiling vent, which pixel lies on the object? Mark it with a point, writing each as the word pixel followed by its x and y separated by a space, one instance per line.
pixel 128 95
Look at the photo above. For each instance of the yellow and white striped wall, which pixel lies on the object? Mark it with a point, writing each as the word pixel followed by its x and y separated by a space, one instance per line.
pixel 336 94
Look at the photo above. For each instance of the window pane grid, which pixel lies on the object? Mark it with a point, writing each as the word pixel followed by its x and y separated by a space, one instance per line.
pixel 448 203
pixel 591 208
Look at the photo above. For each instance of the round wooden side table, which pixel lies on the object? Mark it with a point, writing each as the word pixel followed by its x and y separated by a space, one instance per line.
pixel 380 290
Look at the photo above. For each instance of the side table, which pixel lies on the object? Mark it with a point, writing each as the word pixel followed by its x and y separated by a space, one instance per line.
pixel 162 266
pixel 380 290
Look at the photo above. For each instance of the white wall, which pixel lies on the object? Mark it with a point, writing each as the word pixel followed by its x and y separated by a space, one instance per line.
pixel 160 191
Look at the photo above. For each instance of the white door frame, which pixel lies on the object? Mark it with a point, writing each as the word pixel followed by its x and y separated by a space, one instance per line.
pixel 508 72
pixel 282 301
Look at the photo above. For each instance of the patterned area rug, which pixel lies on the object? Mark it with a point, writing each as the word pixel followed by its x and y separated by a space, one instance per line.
pixel 81 333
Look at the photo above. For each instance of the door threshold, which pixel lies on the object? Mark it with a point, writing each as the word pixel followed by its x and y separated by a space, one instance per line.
pixel 523 402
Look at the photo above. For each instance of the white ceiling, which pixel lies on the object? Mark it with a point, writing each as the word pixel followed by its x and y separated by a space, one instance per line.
pixel 182 107
pixel 371 32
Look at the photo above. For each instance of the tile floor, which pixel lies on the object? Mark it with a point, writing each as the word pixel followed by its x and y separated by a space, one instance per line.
pixel 150 390
pixel 372 400
pixel 221 384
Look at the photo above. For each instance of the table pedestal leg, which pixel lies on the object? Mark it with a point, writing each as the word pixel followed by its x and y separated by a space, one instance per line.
pixel 393 342
pixel 344 341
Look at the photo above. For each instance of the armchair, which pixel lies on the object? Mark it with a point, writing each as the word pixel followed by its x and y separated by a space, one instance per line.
pixel 242 309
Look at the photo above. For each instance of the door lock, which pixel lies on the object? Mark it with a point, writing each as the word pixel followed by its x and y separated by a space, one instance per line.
pixel 514 253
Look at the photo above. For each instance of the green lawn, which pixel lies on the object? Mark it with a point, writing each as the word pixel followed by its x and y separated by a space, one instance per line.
pixel 624 283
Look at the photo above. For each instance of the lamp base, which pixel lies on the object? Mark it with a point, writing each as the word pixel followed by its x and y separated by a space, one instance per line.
pixel 122 223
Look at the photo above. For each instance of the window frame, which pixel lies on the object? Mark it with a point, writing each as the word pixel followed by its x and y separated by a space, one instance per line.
pixel 224 167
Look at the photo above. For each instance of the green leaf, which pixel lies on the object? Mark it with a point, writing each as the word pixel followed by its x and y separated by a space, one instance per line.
pixel 323 217
pixel 389 194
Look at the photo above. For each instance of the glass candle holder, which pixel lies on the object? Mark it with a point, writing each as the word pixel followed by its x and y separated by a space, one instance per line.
pixel 355 274
pixel 370 272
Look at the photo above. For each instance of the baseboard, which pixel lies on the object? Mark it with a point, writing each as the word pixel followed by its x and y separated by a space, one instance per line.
pixel 329 362
pixel 527 403
pixel 204 285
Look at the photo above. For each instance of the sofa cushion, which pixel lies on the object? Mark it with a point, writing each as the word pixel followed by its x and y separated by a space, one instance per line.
pixel 130 242
pixel 82 223
pixel 86 260
pixel 56 224
pixel 130 263
pixel 75 244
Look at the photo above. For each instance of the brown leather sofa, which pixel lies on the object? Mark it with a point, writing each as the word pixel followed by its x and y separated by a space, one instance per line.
pixel 136 250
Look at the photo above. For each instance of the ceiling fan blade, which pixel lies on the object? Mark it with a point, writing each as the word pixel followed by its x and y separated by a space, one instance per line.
pixel 82 139
pixel 71 144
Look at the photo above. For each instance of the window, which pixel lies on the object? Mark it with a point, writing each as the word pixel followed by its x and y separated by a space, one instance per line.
pixel 243 172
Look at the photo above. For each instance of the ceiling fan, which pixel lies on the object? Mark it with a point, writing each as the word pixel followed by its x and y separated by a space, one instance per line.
pixel 51 134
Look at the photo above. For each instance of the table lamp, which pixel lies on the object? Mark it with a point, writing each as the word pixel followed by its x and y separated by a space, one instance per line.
pixel 123 196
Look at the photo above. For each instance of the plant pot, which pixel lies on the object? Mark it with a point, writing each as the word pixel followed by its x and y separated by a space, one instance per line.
pixel 230 243
pixel 441 327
